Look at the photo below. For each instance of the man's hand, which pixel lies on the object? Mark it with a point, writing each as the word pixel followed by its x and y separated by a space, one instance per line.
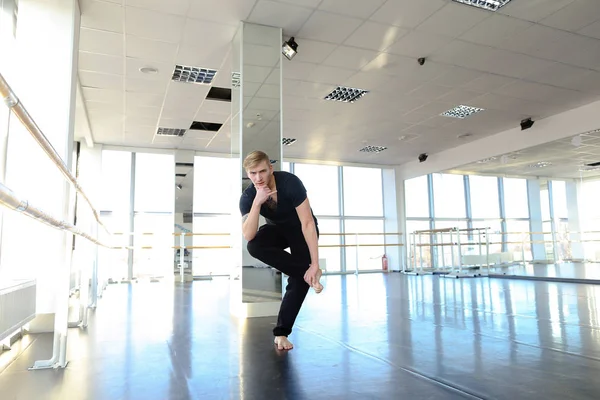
pixel 310 276
pixel 262 194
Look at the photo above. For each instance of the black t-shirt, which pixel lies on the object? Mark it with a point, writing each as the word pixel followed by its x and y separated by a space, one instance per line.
pixel 290 194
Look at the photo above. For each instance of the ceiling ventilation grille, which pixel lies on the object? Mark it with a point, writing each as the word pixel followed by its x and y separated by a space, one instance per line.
pixel 490 5
pixel 170 132
pixel 346 94
pixel 373 149
pixel 183 73
pixel 287 141
pixel 461 112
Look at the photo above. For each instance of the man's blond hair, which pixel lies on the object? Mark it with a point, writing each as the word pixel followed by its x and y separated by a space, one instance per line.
pixel 255 158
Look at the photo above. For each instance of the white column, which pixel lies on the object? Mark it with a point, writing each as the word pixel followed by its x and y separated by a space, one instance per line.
pixel 395 221
pixel 535 215
pixel 573 188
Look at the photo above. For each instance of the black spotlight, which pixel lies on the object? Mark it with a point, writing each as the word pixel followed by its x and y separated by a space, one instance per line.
pixel 289 48
pixel 422 157
pixel 526 123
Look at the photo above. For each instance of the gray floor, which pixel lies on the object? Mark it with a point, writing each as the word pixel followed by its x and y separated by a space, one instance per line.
pixel 565 272
pixel 375 336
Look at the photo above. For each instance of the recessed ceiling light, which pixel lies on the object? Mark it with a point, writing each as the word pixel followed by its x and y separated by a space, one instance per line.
pixel 183 73
pixel 490 5
pixel 287 141
pixel 540 164
pixel 373 149
pixel 461 112
pixel 148 70
pixel 170 132
pixel 346 94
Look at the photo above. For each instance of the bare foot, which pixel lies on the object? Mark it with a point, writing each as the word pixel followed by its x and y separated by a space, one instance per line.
pixel 283 343
pixel 317 286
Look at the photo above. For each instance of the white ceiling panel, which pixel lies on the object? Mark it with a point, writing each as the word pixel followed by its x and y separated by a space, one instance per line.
pixel 453 20
pixel 350 57
pixel 496 30
pixel 375 36
pixel 151 50
pixel 407 13
pixel 144 99
pixel 229 12
pixel 134 120
pixel 100 81
pixel 103 95
pixel 200 56
pixel 533 10
pixel 101 15
pixel 207 35
pixel 329 27
pixel 458 77
pixel 312 51
pixel 288 16
pixel 216 107
pixel 352 8
pixel 153 24
pixel 418 44
pixel 330 75
pixel 96 41
pixel 592 30
pixel 177 7
pixel 100 63
pixel 146 86
pixel 574 16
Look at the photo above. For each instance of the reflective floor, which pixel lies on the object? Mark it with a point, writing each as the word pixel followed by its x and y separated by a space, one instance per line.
pixel 577 272
pixel 375 336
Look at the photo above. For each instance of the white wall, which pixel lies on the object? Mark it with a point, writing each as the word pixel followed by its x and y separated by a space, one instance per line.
pixel 569 123
pixel 42 73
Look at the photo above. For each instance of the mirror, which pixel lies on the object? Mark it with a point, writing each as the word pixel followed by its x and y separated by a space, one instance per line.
pixel 184 217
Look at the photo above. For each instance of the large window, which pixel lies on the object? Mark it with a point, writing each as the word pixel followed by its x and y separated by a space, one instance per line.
pixel 329 230
pixel 449 196
pixel 516 203
pixel 484 196
pixel 321 183
pixel 363 194
pixel 362 254
pixel 416 195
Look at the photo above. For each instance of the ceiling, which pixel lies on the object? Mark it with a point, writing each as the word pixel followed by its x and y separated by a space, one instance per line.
pixel 532 58
pixel 565 158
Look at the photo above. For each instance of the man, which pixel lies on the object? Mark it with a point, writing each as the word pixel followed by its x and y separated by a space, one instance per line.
pixel 281 198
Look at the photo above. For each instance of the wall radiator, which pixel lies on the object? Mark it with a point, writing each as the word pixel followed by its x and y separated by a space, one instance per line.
pixel 17 306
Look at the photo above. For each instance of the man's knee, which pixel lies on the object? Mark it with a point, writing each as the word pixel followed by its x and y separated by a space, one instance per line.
pixel 253 248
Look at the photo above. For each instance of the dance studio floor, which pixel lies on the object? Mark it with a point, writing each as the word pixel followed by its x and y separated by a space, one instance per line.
pixel 372 336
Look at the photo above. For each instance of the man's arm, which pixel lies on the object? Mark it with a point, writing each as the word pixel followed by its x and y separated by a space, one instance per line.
pixel 309 230
pixel 250 222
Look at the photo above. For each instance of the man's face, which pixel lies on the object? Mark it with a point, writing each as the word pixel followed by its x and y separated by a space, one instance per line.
pixel 261 174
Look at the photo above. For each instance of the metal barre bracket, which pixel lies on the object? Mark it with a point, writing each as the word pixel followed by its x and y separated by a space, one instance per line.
pixel 11 100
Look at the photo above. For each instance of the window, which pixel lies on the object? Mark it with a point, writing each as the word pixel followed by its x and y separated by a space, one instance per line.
pixel 484 196
pixel 154 182
pixel 518 239
pixel 363 192
pixel 329 230
pixel 416 194
pixel 116 181
pixel 449 196
pixel 369 257
pixel 516 203
pixel 212 261
pixel 419 254
pixel 494 237
pixel 321 183
pixel 212 193
pixel 559 199
pixel 545 204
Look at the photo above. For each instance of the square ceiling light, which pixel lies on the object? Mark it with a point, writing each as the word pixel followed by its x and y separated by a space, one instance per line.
pixel 346 94
pixel 490 5
pixel 183 73
pixel 170 132
pixel 461 112
pixel 373 149
pixel 287 141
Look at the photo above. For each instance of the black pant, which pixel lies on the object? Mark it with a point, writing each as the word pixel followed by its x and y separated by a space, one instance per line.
pixel 269 246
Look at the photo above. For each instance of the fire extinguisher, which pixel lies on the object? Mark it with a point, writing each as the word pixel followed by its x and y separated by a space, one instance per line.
pixel 384 263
